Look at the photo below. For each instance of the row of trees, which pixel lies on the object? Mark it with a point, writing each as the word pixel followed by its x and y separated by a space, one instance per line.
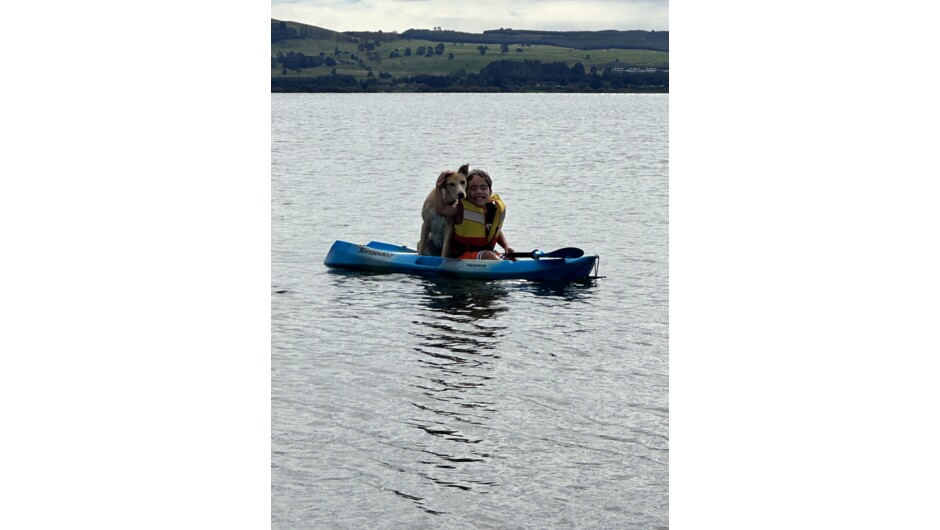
pixel 426 51
pixel 505 76
pixel 515 74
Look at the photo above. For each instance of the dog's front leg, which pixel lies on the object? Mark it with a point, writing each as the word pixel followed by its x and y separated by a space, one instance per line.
pixel 448 232
pixel 425 234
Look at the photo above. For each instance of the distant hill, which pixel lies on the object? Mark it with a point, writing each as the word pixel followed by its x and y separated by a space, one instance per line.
pixel 306 58
pixel 281 31
pixel 581 40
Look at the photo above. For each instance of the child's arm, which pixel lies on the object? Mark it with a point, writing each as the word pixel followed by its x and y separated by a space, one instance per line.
pixel 501 241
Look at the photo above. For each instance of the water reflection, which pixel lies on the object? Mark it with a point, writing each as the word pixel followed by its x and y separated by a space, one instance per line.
pixel 566 291
pixel 457 341
pixel 465 298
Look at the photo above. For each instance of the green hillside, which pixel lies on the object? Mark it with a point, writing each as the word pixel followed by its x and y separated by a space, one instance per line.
pixel 394 60
pixel 582 40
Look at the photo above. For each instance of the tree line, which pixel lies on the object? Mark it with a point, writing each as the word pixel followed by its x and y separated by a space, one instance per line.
pixel 498 76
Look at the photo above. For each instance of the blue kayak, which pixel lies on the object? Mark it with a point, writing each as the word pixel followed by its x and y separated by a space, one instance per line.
pixel 385 257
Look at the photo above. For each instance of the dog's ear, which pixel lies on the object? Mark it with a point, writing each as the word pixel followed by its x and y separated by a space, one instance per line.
pixel 464 169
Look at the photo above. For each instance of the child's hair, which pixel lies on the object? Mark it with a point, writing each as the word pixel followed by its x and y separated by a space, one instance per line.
pixel 484 174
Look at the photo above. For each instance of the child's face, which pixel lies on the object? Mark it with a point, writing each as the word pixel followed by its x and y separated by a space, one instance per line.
pixel 478 191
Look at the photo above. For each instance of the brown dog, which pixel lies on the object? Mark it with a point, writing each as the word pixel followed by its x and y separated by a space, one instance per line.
pixel 437 230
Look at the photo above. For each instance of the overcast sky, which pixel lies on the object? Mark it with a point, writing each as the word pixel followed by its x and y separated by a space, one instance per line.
pixel 475 15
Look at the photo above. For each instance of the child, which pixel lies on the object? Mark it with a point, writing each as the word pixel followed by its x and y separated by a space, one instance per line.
pixel 478 219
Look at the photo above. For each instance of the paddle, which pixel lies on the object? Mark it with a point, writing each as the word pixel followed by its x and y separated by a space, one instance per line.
pixel 567 252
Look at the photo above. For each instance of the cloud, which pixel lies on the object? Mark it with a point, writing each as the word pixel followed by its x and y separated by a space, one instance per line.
pixel 475 15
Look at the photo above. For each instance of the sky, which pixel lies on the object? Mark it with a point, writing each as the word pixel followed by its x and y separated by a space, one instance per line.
pixel 475 16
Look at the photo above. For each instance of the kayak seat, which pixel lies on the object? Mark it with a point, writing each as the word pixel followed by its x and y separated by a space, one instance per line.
pixel 431 261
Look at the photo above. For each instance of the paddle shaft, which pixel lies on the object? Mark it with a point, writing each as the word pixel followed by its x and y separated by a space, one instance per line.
pixel 567 252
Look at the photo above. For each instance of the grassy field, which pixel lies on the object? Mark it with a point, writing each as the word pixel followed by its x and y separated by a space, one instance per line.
pixel 466 56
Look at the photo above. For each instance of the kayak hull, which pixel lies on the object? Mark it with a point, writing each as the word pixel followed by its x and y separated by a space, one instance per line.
pixel 388 258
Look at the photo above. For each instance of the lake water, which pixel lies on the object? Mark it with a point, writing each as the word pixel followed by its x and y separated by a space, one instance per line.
pixel 405 402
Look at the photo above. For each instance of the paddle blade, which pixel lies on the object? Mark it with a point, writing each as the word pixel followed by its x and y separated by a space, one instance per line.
pixel 567 252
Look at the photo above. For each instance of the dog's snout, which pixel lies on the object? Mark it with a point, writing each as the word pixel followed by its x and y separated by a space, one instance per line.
pixel 460 195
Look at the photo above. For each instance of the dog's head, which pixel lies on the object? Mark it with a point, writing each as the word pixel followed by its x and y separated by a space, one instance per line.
pixel 455 185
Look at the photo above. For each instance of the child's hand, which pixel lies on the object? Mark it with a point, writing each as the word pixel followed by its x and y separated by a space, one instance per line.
pixel 442 177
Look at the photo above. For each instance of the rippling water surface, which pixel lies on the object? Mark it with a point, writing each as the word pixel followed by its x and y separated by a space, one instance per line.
pixel 406 402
